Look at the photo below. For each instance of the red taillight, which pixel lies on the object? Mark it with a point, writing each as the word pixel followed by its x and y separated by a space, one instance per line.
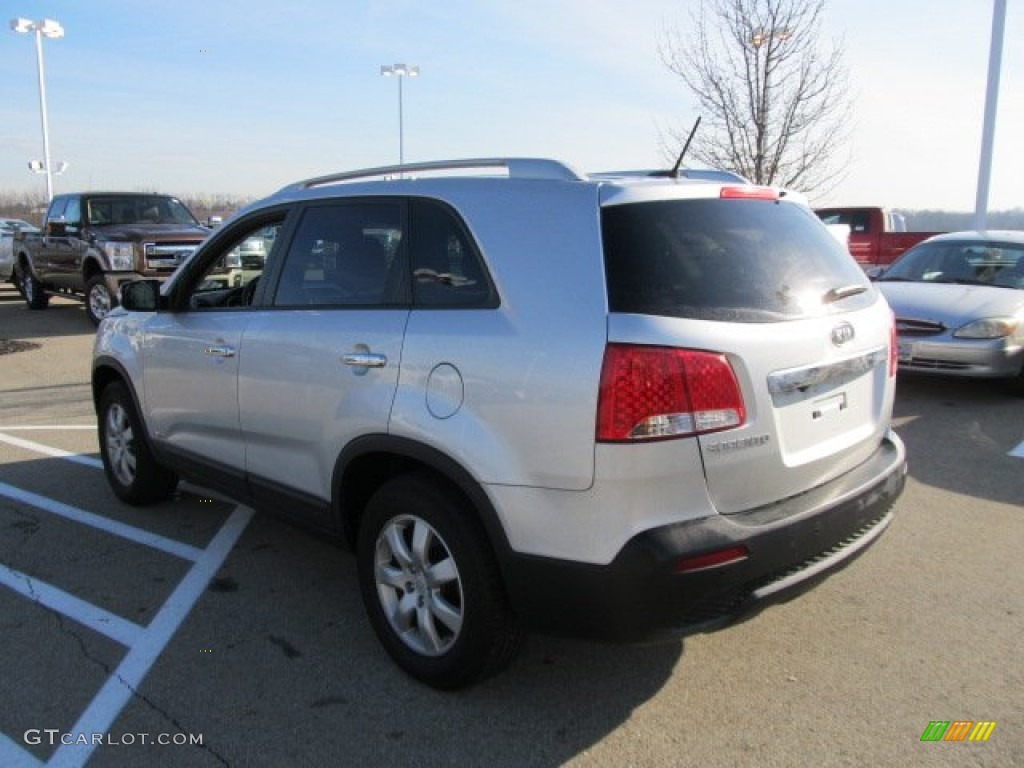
pixel 894 347
pixel 749 193
pixel 710 559
pixel 652 393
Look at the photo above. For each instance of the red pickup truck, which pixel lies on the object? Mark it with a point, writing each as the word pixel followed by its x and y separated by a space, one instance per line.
pixel 877 236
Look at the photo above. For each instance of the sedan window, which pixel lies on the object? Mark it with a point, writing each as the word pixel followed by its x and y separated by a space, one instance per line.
pixel 980 263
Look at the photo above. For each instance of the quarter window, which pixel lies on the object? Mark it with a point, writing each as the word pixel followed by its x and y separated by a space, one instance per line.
pixel 446 268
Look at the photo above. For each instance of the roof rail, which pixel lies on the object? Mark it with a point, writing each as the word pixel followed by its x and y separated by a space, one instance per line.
pixel 517 167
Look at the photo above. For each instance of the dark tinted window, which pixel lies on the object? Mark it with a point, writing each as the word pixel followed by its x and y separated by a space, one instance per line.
pixel 446 268
pixel 344 254
pixel 138 209
pixel 735 260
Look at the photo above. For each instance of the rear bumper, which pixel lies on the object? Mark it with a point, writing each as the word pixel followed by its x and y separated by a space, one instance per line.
pixel 790 546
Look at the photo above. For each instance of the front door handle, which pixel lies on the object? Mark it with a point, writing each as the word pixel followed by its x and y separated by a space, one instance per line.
pixel 364 360
pixel 219 351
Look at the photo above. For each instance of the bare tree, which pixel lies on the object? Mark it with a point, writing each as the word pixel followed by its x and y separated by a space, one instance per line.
pixel 774 104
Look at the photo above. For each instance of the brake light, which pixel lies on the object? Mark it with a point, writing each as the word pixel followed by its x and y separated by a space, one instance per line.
pixel 894 347
pixel 657 393
pixel 749 193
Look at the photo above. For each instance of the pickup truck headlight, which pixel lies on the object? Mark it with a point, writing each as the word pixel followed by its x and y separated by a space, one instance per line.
pixel 988 328
pixel 121 255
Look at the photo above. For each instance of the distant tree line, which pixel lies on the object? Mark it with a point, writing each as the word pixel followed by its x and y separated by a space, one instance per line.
pixel 951 221
pixel 31 206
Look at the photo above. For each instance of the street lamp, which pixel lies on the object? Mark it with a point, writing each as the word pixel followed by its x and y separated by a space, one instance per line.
pixel 400 71
pixel 762 36
pixel 45 28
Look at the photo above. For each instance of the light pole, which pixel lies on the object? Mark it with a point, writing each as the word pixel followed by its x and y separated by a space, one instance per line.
pixel 400 71
pixel 45 28
pixel 988 133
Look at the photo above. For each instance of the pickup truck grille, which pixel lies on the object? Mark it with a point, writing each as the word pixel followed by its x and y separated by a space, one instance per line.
pixel 906 326
pixel 167 256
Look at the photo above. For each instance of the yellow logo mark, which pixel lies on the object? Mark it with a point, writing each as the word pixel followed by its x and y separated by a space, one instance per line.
pixel 982 730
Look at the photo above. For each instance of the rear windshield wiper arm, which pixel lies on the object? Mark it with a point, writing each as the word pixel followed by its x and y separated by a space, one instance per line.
pixel 843 292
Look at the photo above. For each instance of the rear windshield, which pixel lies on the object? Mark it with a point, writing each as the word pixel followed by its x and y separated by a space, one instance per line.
pixel 751 261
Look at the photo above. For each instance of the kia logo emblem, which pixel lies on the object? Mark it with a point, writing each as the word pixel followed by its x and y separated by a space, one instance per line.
pixel 842 333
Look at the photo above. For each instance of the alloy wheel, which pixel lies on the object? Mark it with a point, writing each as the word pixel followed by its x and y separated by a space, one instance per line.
pixel 418 585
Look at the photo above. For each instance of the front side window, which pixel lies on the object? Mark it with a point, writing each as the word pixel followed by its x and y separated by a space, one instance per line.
pixel 229 277
pixel 344 254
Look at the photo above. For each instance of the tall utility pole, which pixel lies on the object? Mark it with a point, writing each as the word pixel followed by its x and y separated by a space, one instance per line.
pixel 988 132
pixel 45 28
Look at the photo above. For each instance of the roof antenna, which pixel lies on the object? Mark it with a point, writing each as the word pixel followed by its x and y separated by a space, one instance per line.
pixel 674 173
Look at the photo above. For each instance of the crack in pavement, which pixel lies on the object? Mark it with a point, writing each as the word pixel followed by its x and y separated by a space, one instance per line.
pixel 29 526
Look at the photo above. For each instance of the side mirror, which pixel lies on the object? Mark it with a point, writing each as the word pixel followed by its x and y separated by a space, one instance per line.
pixel 141 295
pixel 874 273
pixel 56 228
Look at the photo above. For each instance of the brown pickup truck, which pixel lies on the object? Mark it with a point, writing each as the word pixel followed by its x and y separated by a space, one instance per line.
pixel 877 236
pixel 92 242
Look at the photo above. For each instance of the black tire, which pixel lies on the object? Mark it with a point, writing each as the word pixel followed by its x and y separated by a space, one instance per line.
pixel 456 627
pixel 1015 386
pixel 98 299
pixel 31 289
pixel 133 473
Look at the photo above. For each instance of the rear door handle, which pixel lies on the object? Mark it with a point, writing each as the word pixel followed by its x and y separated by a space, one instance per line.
pixel 364 360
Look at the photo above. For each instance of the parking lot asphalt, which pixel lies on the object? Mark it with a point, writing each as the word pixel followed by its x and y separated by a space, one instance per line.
pixel 197 621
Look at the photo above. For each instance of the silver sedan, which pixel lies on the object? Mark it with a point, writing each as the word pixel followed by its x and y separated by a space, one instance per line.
pixel 959 305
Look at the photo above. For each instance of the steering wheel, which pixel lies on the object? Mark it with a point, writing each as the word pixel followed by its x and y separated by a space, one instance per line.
pixel 249 292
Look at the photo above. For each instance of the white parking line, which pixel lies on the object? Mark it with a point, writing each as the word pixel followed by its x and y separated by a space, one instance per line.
pixel 46 427
pixel 1018 451
pixel 14 756
pixel 125 531
pixel 144 644
pixel 92 616
pixel 46 450
pixel 121 686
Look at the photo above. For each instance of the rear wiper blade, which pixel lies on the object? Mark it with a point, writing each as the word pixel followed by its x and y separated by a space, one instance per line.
pixel 843 292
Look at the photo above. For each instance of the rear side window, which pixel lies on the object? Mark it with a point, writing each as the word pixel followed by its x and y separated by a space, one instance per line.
pixel 731 260
pixel 343 254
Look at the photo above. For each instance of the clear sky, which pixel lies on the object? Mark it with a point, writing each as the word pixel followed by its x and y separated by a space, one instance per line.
pixel 242 97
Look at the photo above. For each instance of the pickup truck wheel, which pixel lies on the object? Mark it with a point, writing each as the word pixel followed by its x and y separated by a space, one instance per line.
pixel 31 289
pixel 132 471
pixel 430 585
pixel 98 299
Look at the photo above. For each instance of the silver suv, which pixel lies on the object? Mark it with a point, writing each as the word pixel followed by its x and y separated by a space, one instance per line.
pixel 620 408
